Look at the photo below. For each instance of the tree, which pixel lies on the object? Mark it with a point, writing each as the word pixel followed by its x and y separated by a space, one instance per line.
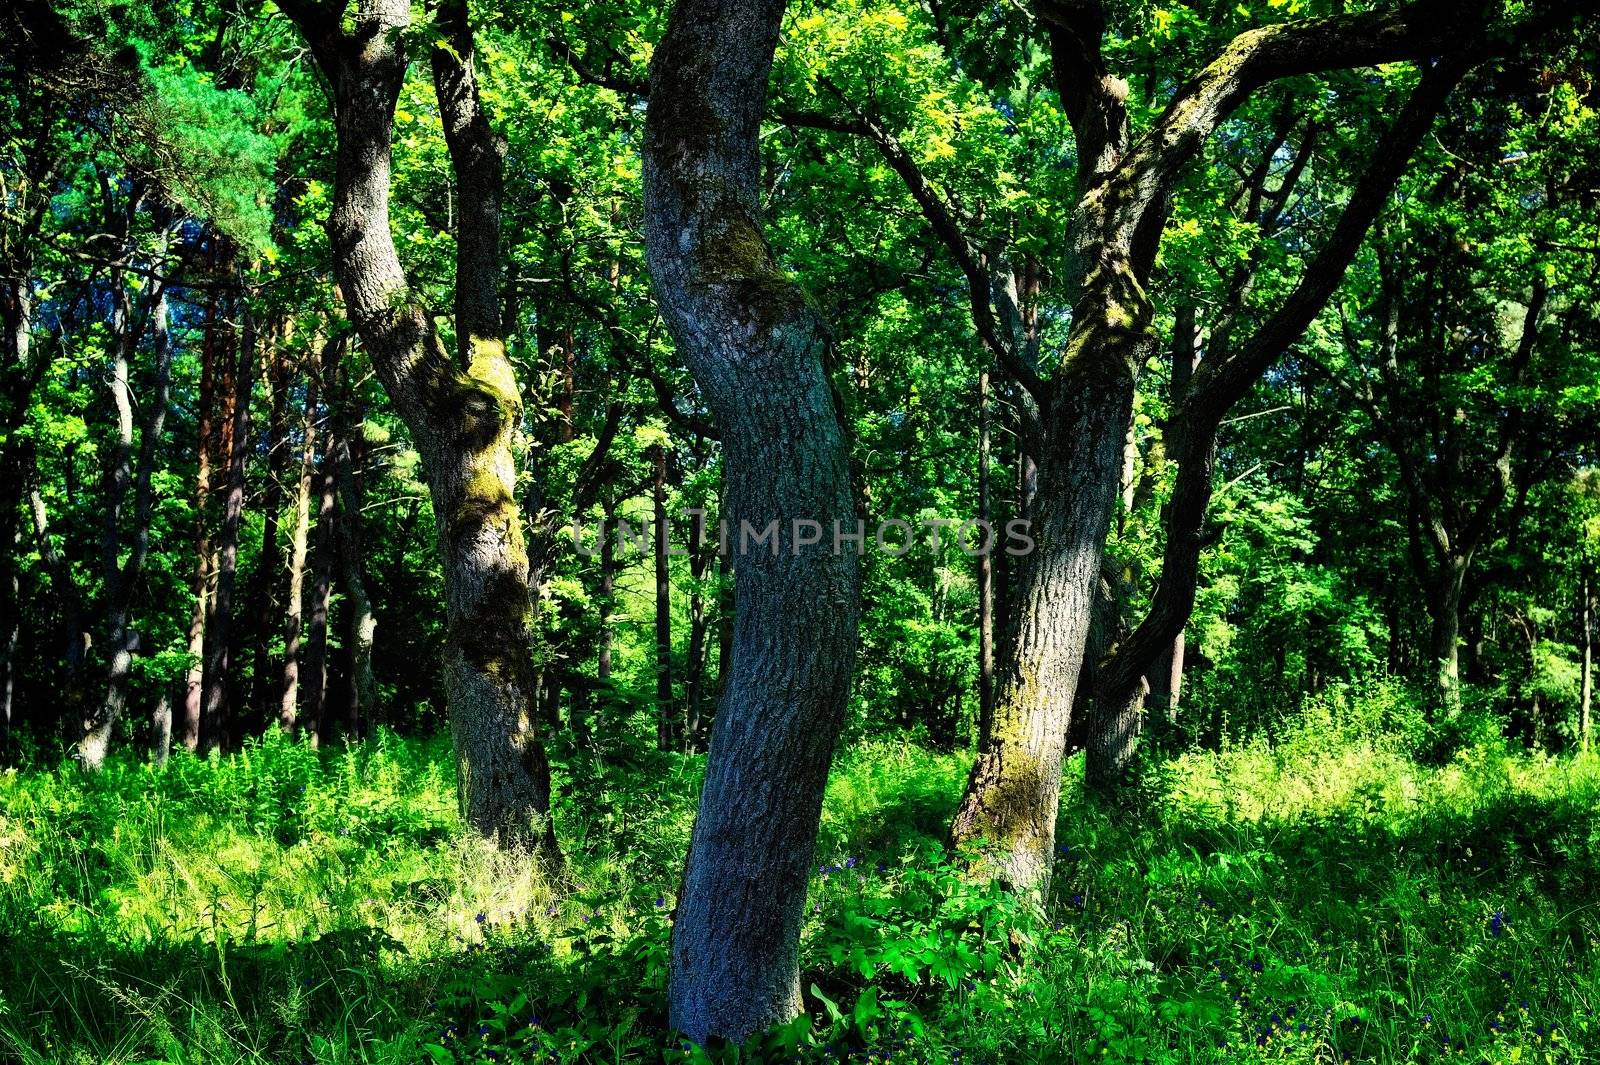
pixel 755 344
pixel 1124 193
pixel 461 409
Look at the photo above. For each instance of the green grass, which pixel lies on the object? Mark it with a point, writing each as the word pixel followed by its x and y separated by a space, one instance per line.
pixel 1322 897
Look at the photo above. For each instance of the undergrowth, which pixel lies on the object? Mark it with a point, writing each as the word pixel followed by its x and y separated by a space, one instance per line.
pixel 1331 895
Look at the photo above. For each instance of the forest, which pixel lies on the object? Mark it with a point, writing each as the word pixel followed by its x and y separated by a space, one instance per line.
pixel 961 531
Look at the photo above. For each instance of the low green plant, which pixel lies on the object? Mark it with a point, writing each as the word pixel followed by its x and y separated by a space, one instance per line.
pixel 1326 896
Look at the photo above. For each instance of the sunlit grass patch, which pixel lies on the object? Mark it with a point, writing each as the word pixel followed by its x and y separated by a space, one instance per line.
pixel 1324 896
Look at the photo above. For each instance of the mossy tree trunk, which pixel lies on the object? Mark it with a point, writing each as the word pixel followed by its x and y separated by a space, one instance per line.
pixel 1124 191
pixel 1222 380
pixel 462 408
pixel 755 344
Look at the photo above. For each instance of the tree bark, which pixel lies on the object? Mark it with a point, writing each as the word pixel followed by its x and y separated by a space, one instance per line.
pixel 161 728
pixel 1008 813
pixel 124 638
pixel 755 344
pixel 293 610
pixel 217 726
pixel 276 377
pixel 1445 600
pixel 462 412
pixel 360 622
pixel 205 451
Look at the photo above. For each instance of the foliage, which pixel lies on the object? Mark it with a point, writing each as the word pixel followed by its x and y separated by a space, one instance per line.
pixel 1322 895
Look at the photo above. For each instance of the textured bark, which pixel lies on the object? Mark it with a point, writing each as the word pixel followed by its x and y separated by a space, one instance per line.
pixel 294 596
pixel 462 412
pixel 727 612
pixel 217 726
pixel 1013 793
pixel 755 345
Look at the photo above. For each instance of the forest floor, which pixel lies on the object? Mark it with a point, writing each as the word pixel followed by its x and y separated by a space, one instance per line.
pixel 1327 897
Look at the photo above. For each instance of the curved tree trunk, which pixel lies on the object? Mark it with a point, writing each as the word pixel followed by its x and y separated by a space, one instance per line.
pixel 755 344
pixel 462 411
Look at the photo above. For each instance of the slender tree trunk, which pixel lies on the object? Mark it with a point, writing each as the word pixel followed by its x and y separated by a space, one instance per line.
pixel 755 344
pixel 161 728
pixel 360 622
pixel 694 682
pixel 217 725
pixel 314 694
pixel 1008 813
pixel 124 638
pixel 293 612
pixel 9 638
pixel 666 709
pixel 264 593
pixel 608 588
pixel 95 728
pixel 1446 602
pixel 194 685
pixel 1586 636
pixel 986 601
pixel 1166 681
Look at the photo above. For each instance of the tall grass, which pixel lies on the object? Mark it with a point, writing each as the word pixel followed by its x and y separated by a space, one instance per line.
pixel 1343 892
